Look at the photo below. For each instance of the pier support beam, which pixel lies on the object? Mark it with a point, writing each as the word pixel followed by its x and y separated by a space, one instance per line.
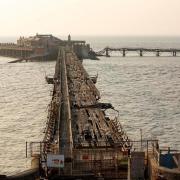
pixel 157 53
pixel 107 52
pixel 141 52
pixel 174 53
pixel 124 52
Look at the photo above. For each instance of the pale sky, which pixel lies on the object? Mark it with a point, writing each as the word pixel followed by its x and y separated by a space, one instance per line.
pixel 90 17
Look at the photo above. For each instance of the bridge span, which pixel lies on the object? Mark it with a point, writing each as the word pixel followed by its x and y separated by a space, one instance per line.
pixel 140 51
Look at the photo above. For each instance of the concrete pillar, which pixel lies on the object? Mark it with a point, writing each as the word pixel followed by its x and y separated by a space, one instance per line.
pixel 157 53
pixel 141 52
pixel 174 53
pixel 124 52
pixel 107 52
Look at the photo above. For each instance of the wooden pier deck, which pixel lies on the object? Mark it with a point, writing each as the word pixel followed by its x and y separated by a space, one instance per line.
pixel 77 125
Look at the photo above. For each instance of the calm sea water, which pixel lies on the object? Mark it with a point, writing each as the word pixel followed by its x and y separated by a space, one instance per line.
pixel 145 90
pixel 24 97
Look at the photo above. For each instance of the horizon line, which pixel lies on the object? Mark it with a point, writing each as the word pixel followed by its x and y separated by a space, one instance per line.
pixel 93 35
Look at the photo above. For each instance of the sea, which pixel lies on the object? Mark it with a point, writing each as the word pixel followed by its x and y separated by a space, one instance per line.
pixel 145 91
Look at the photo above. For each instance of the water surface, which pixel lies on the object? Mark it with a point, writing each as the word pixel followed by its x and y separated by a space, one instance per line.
pixel 145 90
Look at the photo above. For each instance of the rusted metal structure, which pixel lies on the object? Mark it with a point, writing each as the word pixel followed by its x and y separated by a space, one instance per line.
pixel 93 145
pixel 13 50
pixel 43 47
pixel 140 51
pixel 38 47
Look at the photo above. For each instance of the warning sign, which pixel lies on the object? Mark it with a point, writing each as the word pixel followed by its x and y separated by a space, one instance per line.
pixel 55 160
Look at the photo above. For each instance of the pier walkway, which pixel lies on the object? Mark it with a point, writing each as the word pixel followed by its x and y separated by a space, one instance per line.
pixel 78 128
pixel 140 51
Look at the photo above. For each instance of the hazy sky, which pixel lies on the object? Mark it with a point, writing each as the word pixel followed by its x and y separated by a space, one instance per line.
pixel 90 17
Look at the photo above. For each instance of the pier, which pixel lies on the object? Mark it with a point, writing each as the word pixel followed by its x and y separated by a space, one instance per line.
pixel 13 50
pixel 82 142
pixel 140 51
pixel 78 128
pixel 43 47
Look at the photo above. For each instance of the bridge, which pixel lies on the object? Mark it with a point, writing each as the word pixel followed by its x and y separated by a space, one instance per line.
pixel 140 51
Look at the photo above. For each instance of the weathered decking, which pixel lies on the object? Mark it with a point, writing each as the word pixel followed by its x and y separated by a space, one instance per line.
pixel 77 125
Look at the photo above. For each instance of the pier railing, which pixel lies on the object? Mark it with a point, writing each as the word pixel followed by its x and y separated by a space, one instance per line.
pixel 101 160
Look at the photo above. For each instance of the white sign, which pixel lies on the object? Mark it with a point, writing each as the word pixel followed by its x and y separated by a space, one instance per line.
pixel 54 160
